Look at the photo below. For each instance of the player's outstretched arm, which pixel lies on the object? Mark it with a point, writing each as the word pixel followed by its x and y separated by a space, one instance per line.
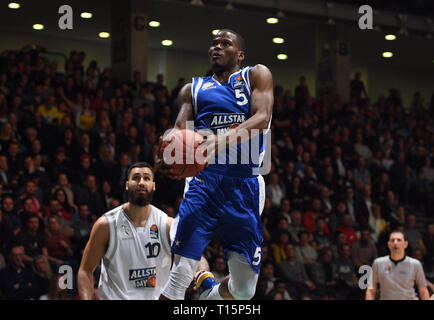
pixel 92 255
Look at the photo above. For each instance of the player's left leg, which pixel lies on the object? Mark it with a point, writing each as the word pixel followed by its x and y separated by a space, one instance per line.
pixel 240 284
pixel 241 236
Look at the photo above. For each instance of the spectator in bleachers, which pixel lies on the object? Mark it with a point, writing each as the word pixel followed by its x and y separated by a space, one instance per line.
pixel 304 251
pixel 279 253
pixel 321 235
pixel 11 220
pixel 296 226
pixel 322 274
pixel 294 274
pixel 414 236
pixel 361 174
pixel 280 287
pixel 67 210
pixel 376 223
pixel 295 194
pixel 58 243
pixel 33 239
pixel 268 275
pixel 42 270
pixel 81 228
pixel 344 275
pixel 364 251
pixel 275 190
pixel 345 228
pixel 311 215
pixel 17 281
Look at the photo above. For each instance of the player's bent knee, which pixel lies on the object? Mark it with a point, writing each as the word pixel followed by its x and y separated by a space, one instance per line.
pixel 242 282
pixel 244 291
pixel 181 275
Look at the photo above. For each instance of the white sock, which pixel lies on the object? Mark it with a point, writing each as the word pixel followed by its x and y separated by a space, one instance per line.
pixel 212 294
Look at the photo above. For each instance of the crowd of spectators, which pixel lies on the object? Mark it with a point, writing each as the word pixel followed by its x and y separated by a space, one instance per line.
pixel 342 176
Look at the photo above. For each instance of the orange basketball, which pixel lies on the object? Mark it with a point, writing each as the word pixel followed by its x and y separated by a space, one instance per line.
pixel 179 153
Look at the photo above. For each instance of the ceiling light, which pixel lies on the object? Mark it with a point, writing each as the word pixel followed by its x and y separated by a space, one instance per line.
pixel 390 37
pixel 282 56
pixel 154 24
pixel 167 43
pixel 387 54
pixel 215 31
pixel 86 15
pixel 14 5
pixel 38 26
pixel 104 35
pixel 278 40
pixel 272 20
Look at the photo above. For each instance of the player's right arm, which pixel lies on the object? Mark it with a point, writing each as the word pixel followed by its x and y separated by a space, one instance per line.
pixel 185 114
pixel 92 255
pixel 185 107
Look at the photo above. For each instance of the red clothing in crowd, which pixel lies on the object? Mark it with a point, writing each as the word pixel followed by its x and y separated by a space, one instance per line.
pixel 349 232
pixel 309 221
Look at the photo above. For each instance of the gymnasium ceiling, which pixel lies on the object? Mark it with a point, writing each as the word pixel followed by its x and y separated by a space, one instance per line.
pixel 190 26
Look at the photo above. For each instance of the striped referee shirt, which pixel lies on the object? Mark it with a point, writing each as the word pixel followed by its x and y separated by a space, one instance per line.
pixel 398 278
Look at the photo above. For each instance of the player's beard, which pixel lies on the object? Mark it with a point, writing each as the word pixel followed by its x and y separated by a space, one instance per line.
pixel 138 199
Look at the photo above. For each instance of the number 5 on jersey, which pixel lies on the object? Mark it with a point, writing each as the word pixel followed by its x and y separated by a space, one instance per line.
pixel 239 94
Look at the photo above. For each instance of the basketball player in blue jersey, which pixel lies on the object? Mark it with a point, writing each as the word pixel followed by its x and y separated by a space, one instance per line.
pixel 225 195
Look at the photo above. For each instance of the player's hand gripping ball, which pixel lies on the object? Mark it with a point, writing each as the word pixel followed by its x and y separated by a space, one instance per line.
pixel 180 155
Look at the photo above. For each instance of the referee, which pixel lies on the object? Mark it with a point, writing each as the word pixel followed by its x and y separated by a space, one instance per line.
pixel 397 273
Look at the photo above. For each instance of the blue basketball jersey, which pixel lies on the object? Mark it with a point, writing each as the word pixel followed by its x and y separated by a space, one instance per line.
pixel 219 106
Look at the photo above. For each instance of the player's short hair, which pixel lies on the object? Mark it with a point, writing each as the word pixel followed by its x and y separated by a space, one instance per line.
pixel 240 39
pixel 139 165
pixel 401 232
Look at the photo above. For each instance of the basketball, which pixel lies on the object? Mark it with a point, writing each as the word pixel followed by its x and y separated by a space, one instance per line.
pixel 181 156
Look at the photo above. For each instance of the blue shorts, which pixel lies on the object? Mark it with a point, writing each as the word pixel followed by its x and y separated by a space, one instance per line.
pixel 234 204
